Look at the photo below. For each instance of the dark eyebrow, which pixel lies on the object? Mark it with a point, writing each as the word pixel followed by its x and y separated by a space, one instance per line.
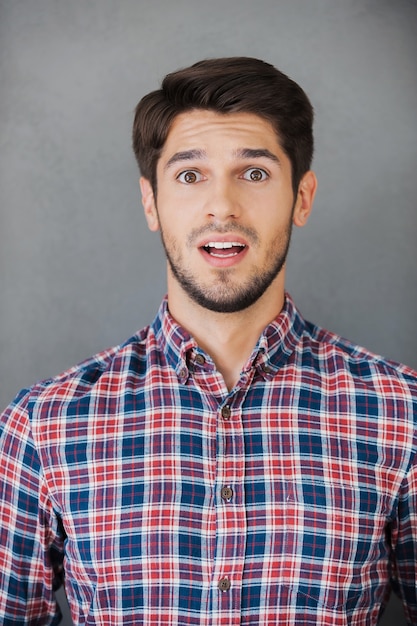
pixel 186 155
pixel 256 153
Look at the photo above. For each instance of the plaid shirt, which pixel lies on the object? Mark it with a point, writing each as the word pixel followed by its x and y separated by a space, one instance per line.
pixel 290 499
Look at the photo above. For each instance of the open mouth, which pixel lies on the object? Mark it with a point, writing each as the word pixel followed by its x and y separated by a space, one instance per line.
pixel 224 249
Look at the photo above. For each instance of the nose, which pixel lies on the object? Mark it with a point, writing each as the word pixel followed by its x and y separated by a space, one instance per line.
pixel 223 203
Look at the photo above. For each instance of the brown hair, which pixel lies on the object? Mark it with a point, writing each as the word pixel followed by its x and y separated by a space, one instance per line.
pixel 226 85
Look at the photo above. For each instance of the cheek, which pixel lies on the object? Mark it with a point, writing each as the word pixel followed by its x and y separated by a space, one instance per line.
pixel 174 227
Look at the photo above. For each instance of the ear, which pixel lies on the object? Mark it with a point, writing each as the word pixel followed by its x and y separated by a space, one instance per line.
pixel 305 198
pixel 149 204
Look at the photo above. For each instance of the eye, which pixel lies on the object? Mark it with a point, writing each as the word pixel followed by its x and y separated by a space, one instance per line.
pixel 255 175
pixel 189 177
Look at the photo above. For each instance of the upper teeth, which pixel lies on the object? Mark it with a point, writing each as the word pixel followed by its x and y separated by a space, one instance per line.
pixel 222 245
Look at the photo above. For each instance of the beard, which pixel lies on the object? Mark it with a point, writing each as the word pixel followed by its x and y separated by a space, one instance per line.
pixel 224 295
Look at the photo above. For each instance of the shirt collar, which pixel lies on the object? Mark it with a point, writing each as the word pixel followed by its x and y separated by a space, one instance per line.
pixel 274 346
pixel 174 341
pixel 278 341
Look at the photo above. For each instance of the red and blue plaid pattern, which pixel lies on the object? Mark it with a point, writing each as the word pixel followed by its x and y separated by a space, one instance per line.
pixel 290 500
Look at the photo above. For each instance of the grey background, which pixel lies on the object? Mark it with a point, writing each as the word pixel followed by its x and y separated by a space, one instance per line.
pixel 79 270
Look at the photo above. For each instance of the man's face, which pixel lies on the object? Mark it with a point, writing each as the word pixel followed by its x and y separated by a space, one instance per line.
pixel 224 207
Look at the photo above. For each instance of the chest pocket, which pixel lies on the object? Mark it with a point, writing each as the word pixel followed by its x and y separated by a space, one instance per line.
pixel 332 553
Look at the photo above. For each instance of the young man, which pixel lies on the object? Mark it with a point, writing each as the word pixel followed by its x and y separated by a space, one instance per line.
pixel 231 463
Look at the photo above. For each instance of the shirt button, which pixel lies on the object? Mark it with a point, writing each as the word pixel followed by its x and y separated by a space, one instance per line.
pixel 227 493
pixel 224 584
pixel 226 412
pixel 199 359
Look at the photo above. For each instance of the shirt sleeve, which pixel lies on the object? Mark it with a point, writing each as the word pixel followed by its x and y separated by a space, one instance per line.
pixel 31 544
pixel 405 570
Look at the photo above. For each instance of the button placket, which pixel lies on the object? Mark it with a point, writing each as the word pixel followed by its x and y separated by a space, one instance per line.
pixel 230 509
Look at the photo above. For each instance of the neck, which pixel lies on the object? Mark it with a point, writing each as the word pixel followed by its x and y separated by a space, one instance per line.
pixel 229 338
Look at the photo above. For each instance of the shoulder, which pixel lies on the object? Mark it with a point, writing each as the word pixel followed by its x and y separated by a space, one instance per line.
pixel 334 354
pixel 100 374
pixel 374 397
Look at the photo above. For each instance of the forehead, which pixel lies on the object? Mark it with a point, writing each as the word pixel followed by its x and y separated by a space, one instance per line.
pixel 200 129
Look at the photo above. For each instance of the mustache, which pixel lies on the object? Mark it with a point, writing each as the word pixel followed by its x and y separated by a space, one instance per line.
pixel 227 229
